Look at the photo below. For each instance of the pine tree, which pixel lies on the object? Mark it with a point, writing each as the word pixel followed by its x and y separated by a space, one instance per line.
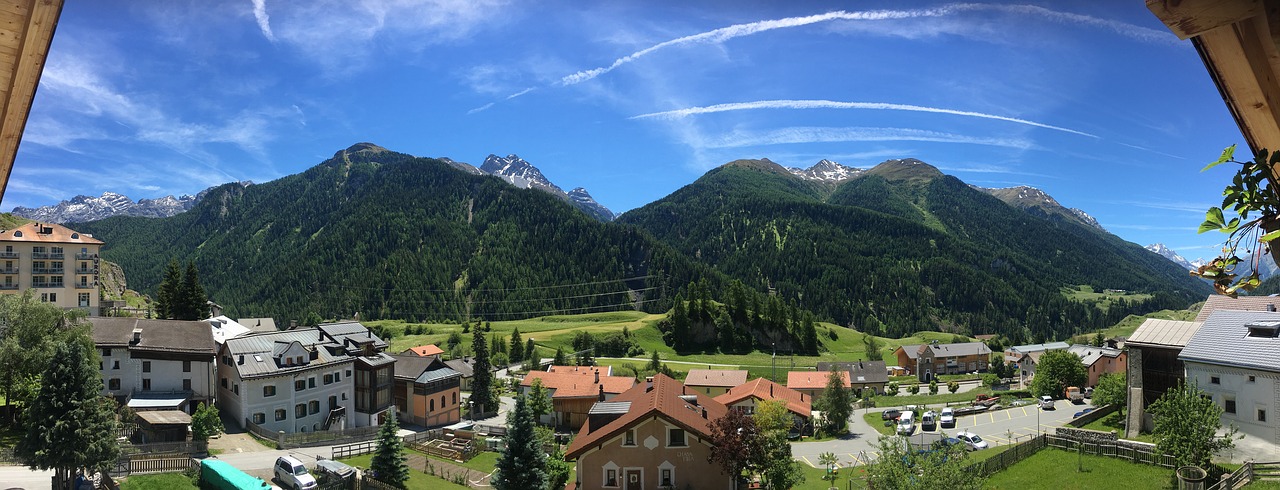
pixel 482 377
pixel 680 325
pixel 167 295
pixel 70 425
pixel 388 463
pixel 524 464
pixel 191 303
pixel 531 358
pixel 560 359
pixel 517 346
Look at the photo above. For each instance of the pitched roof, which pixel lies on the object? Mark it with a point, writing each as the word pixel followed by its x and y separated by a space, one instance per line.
pixel 1169 333
pixel 949 350
pixel 157 335
pixel 257 349
pixel 859 371
pixel 578 385
pixel 425 350
pixel 662 398
pixel 225 328
pixel 1217 302
pixel 35 232
pixel 809 380
pixel 1089 354
pixel 1224 340
pixel 464 367
pixel 1029 348
pixel 587 370
pixel 763 389
pixel 725 378
pixel 355 332
pixel 259 324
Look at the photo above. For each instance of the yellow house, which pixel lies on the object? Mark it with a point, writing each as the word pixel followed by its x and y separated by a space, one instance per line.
pixel 58 263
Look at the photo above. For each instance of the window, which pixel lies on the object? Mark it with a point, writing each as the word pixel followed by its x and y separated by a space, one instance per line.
pixel 269 390
pixel 1229 405
pixel 338 376
pixel 300 410
pixel 113 384
pixel 333 402
pixel 106 352
pixel 455 398
pixel 1215 380
pixel 186 366
pixel 299 385
pixel 610 478
pixel 146 366
pixel 1251 379
pixel 83 299
pixel 630 438
pixel 115 364
pixel 280 414
pixel 259 418
pixel 666 477
pixel 1262 415
pixel 186 385
pixel 313 407
pixel 236 388
pixel 224 383
pixel 432 406
pixel 328 379
pixel 348 373
pixel 146 384
pixel 675 438
pixel 311 382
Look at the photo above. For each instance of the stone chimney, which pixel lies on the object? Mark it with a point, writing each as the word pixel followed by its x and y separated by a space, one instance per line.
pixel 137 336
pixel 601 397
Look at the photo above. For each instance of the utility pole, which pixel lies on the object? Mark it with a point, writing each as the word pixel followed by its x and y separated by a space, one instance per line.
pixel 774 361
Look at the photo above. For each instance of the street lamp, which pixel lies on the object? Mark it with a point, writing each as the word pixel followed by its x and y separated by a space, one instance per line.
pixel 774 361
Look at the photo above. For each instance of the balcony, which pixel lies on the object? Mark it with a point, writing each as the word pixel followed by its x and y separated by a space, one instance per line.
pixel 82 256
pixel 79 270
pixel 89 285
pixel 8 270
pixel 8 287
pixel 8 255
pixel 47 285
pixel 47 270
pixel 47 255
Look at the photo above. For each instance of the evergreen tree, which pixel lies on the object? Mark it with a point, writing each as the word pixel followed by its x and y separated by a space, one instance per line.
pixel 655 363
pixel 454 340
pixel 70 425
pixel 531 357
pixel 873 346
pixel 482 377
pixel 167 296
pixel 388 464
pixel 524 464
pixel 560 359
pixel 516 353
pixel 191 303
pixel 205 423
pixel 539 400
pixel 312 319
pixel 680 325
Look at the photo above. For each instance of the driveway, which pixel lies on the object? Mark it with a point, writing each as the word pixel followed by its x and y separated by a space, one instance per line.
pixel 998 428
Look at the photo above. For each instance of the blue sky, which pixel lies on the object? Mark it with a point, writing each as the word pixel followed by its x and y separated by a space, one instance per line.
pixel 1094 102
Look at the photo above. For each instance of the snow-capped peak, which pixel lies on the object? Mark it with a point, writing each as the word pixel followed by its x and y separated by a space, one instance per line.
pixel 1168 253
pixel 518 172
pixel 826 171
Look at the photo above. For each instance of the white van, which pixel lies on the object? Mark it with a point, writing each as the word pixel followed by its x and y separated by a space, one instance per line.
pixel 907 423
pixel 292 475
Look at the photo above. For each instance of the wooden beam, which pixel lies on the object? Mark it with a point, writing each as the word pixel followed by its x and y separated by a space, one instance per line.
pixel 1190 18
pixel 1251 92
pixel 41 22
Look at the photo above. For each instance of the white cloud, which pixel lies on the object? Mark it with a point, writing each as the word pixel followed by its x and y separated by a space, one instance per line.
pixel 829 104
pixel 264 21
pixel 793 135
pixel 480 109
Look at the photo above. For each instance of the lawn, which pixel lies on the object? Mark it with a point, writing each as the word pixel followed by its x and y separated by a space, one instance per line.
pixel 1103 299
pixel 160 481
pixel 813 478
pixel 873 419
pixel 417 479
pixel 1058 469
pixel 1115 422
pixel 484 462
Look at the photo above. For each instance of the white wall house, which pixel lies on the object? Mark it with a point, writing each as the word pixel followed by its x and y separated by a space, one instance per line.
pixel 155 364
pixel 291 381
pixel 1232 358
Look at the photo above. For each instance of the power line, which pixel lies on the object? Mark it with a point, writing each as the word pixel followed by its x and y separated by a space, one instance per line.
pixel 530 288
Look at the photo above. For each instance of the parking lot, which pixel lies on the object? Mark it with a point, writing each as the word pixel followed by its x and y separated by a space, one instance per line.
pixel 998 428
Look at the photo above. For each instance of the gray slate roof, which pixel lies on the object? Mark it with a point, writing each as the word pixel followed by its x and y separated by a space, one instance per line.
pixel 437 374
pixel 354 331
pixel 1168 333
pixel 1089 354
pixel 859 371
pixel 1029 348
pixel 157 335
pixel 261 346
pixel 1224 340
pixel 421 369
pixel 951 350
pixel 466 368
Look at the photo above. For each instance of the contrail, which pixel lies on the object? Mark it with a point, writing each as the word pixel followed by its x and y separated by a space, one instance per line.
pixel 830 104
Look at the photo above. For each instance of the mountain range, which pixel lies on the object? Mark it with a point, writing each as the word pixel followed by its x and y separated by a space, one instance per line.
pixel 896 248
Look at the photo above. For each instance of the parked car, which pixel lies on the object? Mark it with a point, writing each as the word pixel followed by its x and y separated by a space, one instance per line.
pixel 331 471
pixel 890 414
pixel 1046 402
pixel 906 423
pixel 1082 413
pixel 971 440
pixel 946 442
pixel 947 418
pixel 1075 395
pixel 929 421
pixel 291 474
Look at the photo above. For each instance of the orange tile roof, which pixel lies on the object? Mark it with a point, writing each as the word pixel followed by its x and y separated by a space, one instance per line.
pixel 810 380
pixel 31 232
pixel 763 389
pixel 726 378
pixel 587 370
pixel 426 350
pixel 575 385
pixel 660 398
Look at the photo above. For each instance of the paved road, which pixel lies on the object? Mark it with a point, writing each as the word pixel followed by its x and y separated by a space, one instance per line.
pixel 999 428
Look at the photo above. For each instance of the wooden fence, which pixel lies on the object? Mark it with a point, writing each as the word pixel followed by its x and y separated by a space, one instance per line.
pixel 126 466
pixel 192 448
pixel 1010 456
pixel 353 449
pixel 311 439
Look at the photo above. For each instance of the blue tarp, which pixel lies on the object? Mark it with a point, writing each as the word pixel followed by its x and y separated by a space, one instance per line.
pixel 221 475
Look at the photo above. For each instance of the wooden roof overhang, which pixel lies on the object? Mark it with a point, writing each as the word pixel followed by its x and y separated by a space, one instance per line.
pixel 26 30
pixel 1237 40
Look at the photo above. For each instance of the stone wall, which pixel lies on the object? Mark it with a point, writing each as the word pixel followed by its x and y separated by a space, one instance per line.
pixel 1088 418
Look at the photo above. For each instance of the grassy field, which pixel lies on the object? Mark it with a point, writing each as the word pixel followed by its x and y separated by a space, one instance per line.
pixel 1104 299
pixel 1054 468
pixel 484 462
pixel 417 479
pixel 160 481
pixel 1115 422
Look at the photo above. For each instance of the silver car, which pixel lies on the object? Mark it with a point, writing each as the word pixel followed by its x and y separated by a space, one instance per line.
pixel 1046 402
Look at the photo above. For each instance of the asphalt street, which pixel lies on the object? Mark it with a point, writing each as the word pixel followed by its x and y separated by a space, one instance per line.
pixel 998 428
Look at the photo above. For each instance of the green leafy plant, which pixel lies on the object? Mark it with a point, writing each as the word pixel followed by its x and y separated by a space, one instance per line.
pixel 1254 195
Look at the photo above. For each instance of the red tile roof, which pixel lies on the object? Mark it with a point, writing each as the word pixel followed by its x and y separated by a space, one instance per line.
pixel 426 350
pixel 811 380
pixel 725 378
pixel 587 370
pixel 578 385
pixel 659 398
pixel 31 232
pixel 763 389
